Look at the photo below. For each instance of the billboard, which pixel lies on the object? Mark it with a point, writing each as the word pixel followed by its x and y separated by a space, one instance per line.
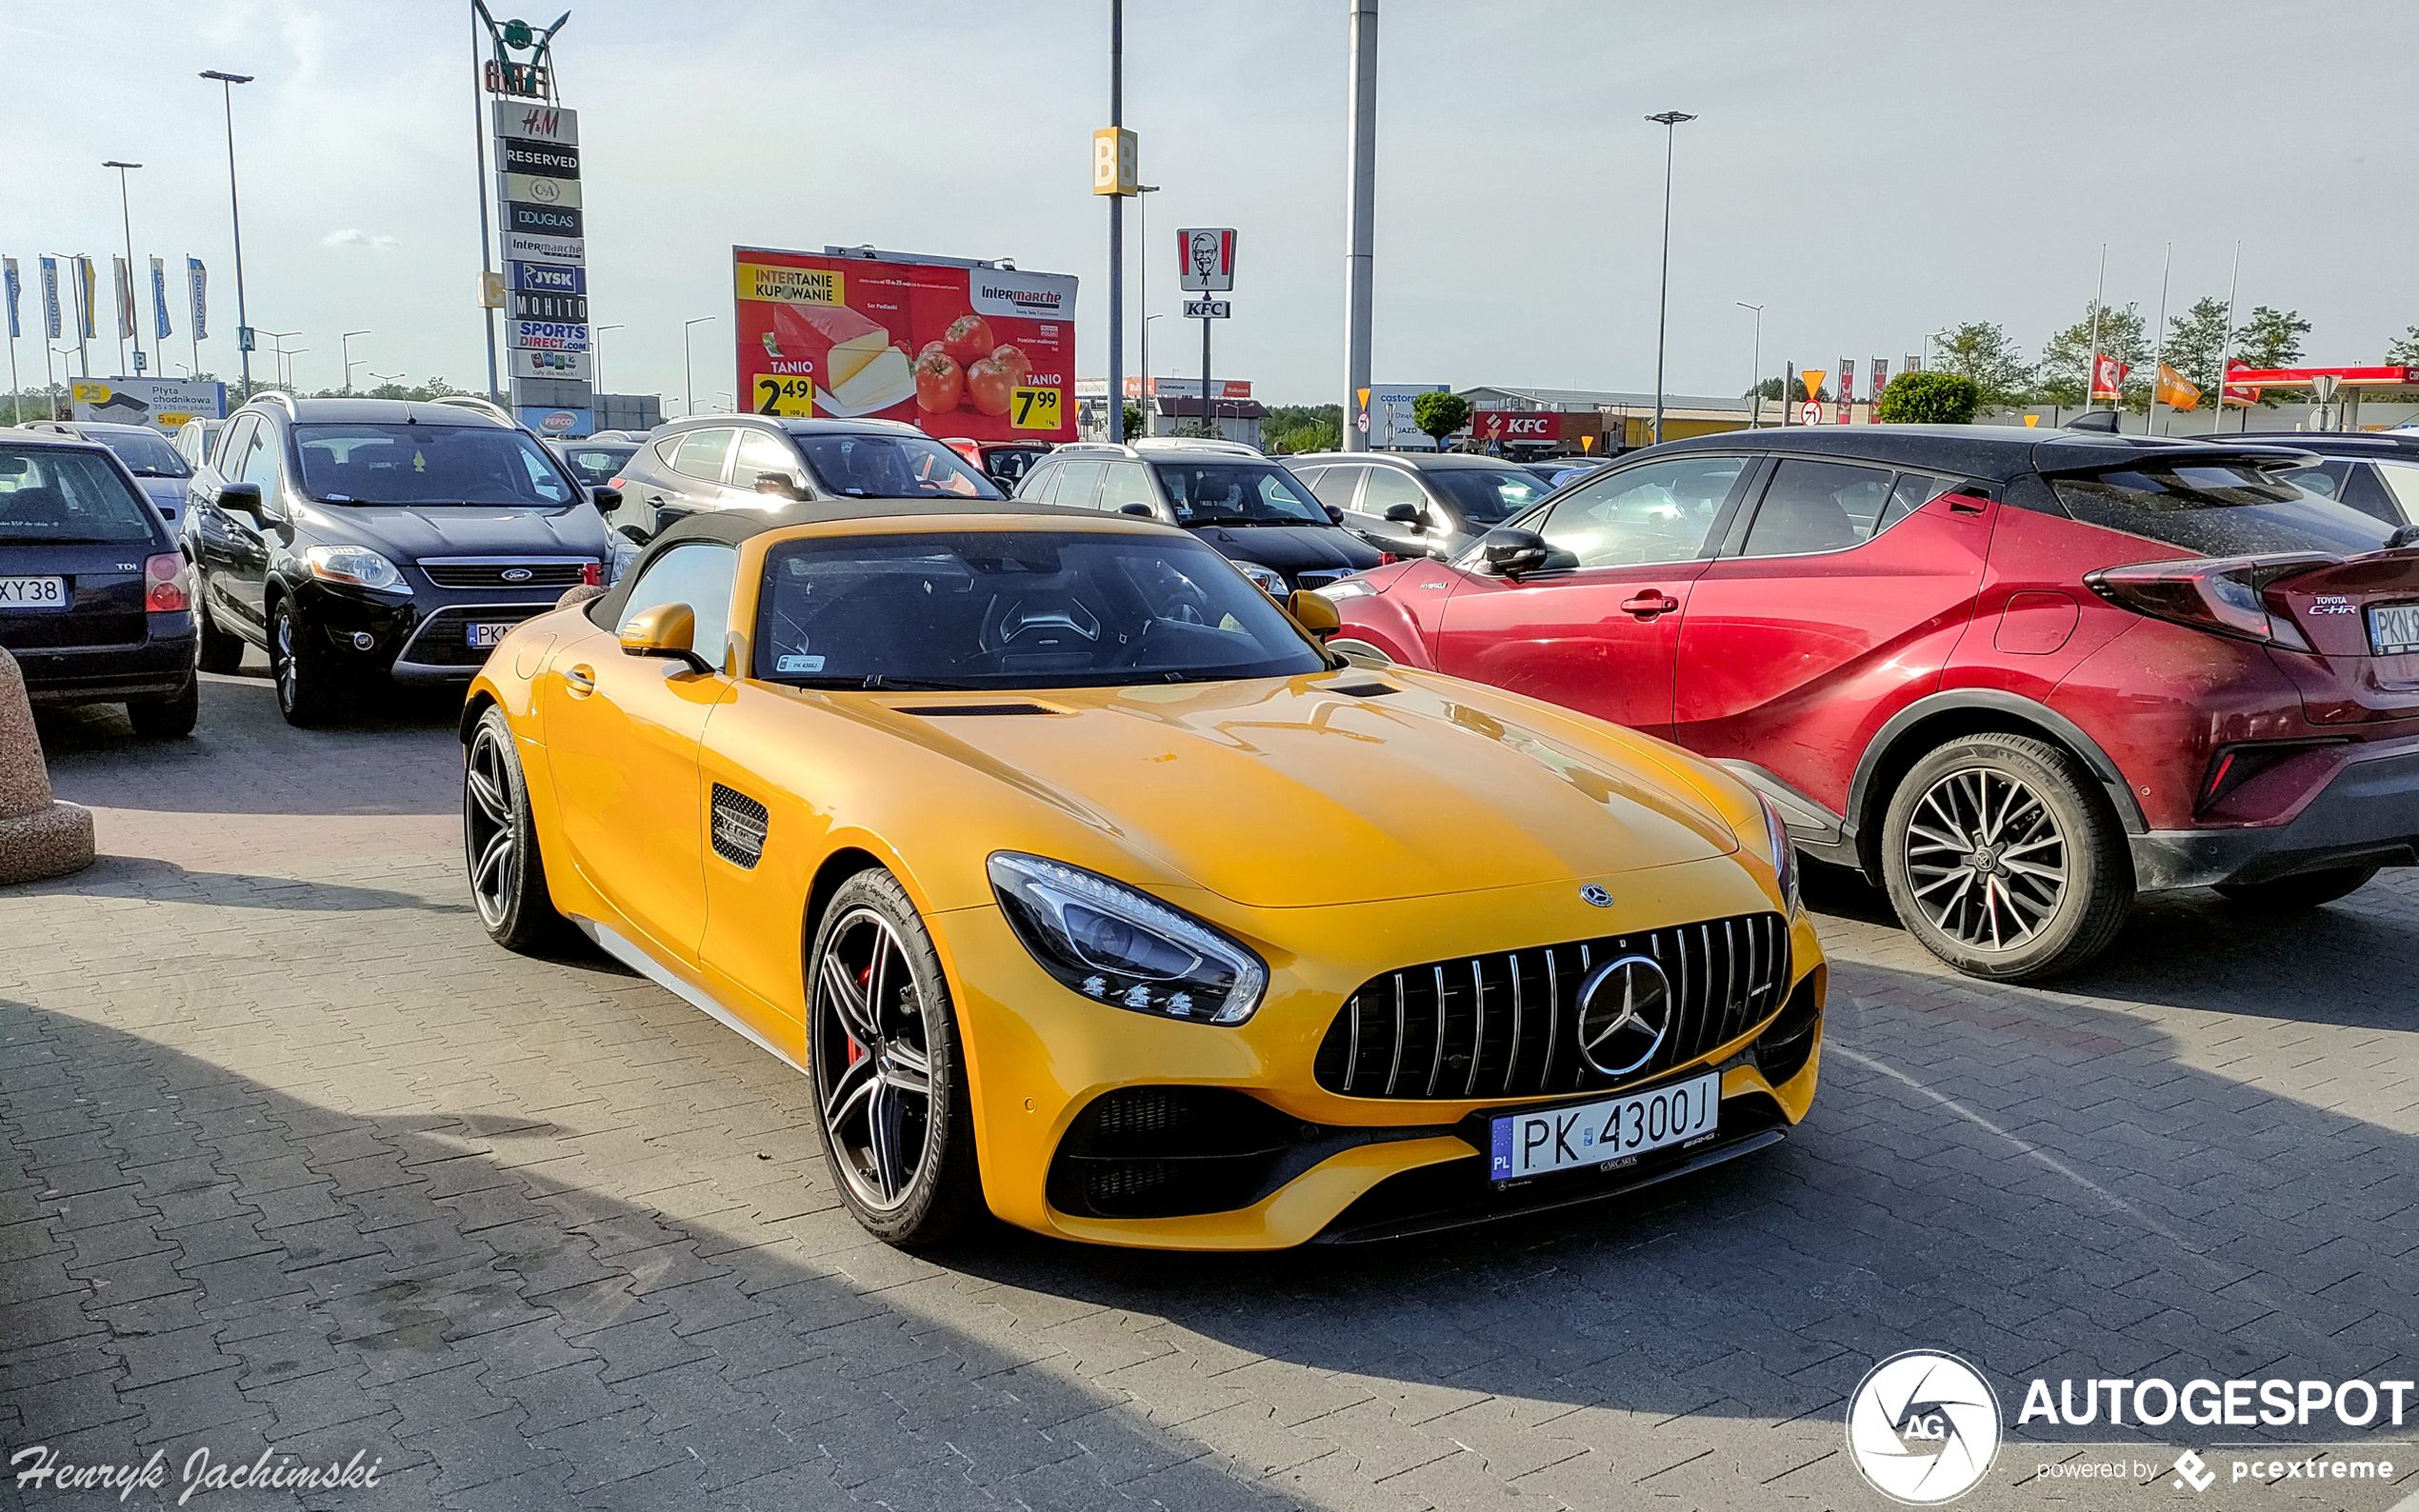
pixel 164 403
pixel 958 349
pixel 1391 423
pixel 1561 428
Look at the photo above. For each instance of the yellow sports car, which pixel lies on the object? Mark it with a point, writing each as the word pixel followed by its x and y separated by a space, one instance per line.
pixel 1082 883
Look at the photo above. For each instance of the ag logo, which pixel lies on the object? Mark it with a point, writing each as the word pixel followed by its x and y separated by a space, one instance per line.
pixel 1923 1427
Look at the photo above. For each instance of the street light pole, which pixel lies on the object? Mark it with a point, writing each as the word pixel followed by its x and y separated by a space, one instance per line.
pixel 1142 302
pixel 1755 405
pixel 125 219
pixel 345 341
pixel 687 373
pixel 1670 121
pixel 596 358
pixel 235 211
pixel 1116 416
pixel 1360 229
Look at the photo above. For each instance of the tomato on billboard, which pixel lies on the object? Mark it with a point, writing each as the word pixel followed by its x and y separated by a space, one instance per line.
pixel 982 353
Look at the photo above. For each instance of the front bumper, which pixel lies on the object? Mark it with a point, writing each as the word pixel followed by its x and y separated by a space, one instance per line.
pixel 1039 1056
pixel 418 639
pixel 2352 803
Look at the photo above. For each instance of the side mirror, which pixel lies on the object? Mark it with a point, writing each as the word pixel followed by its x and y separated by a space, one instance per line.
pixel 667 630
pixel 1403 515
pixel 1512 553
pixel 781 484
pixel 241 498
pixel 1314 612
pixel 635 533
pixel 1334 515
pixel 606 499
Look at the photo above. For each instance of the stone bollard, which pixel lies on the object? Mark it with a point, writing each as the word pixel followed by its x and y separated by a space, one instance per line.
pixel 38 837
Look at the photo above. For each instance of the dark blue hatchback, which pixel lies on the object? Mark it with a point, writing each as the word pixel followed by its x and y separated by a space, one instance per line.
pixel 95 600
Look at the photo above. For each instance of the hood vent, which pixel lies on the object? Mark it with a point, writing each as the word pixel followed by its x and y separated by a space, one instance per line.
pixel 969 710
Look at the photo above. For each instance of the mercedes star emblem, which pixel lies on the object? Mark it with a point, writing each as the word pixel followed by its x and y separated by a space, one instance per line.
pixel 1625 1012
pixel 1596 896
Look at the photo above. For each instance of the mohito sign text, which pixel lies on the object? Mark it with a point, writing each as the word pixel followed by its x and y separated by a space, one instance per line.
pixel 550 307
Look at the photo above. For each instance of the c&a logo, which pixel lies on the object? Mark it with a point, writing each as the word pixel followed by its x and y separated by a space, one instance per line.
pixel 1923 1427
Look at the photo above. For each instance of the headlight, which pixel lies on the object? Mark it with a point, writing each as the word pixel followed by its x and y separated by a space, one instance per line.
pixel 1272 582
pixel 1346 588
pixel 354 565
pixel 1124 947
pixel 1784 852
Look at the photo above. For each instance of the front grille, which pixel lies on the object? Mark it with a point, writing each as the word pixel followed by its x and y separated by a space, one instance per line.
pixel 542 572
pixel 1172 1151
pixel 1507 1025
pixel 444 638
pixel 1321 578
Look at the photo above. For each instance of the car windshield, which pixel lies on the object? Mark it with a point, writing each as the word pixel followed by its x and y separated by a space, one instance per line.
pixel 893 467
pixel 1237 494
pixel 597 463
pixel 2218 510
pixel 1489 495
pixel 146 453
pixel 63 498
pixel 422 464
pixel 1015 608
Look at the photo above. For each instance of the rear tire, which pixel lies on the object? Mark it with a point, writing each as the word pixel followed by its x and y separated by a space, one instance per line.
pixel 499 840
pixel 168 718
pixel 305 694
pixel 221 652
pixel 2002 855
pixel 2307 890
pixel 888 1069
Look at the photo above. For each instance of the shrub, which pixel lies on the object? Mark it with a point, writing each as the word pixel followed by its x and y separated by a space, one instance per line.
pixel 1929 399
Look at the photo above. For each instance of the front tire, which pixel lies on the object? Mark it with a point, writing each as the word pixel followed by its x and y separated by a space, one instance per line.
pixel 892 1105
pixel 305 693
pixel 2005 859
pixel 499 840
pixel 2308 890
pixel 168 718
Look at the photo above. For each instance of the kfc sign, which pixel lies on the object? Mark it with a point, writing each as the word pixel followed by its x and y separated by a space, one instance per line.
pixel 1517 424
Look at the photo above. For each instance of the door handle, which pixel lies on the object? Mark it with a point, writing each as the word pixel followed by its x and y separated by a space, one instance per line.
pixel 580 679
pixel 1650 603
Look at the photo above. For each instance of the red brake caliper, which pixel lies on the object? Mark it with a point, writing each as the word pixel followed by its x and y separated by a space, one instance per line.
pixel 856 1051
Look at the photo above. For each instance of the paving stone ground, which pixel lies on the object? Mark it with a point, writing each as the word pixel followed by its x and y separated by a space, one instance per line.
pixel 292 1160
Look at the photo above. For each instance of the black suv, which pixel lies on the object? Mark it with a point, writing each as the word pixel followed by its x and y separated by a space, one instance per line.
pixel 359 538
pixel 1420 503
pixel 758 461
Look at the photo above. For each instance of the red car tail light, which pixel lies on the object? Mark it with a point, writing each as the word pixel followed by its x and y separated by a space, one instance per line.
pixel 165 589
pixel 2222 595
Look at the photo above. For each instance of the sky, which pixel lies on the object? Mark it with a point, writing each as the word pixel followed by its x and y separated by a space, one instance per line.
pixel 1865 172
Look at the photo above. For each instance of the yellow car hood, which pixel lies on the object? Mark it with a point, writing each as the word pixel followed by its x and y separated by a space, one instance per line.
pixel 1287 794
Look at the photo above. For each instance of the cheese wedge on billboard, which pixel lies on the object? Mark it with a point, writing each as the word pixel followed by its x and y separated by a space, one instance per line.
pixel 877 383
pixel 835 342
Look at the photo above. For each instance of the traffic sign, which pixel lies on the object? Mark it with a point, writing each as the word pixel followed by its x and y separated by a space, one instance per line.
pixel 1811 414
pixel 1365 422
pixel 1209 309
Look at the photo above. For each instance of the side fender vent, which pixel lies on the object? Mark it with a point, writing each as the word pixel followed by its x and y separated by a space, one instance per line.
pixel 739 827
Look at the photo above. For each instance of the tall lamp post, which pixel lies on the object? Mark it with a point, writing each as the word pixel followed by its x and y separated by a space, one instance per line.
pixel 688 374
pixel 1142 302
pixel 1670 121
pixel 1755 405
pixel 125 219
pixel 234 209
pixel 345 342
pixel 278 338
pixel 596 357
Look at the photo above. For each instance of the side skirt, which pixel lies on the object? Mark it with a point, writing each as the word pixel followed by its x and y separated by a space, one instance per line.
pixel 629 954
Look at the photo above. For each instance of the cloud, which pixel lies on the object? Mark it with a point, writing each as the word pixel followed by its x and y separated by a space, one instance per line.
pixel 355 236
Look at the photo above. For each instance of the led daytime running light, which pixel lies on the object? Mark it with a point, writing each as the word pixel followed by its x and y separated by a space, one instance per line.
pixel 1124 947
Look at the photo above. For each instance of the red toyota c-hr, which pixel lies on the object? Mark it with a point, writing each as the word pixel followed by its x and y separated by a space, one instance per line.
pixel 2017 676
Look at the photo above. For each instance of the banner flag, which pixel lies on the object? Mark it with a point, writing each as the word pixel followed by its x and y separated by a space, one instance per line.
pixel 121 284
pixel 2175 391
pixel 87 294
pixel 198 276
pixel 2108 376
pixel 14 284
pixel 160 330
pixel 49 299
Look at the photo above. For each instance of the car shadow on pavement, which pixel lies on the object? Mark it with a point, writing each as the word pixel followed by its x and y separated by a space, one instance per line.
pixel 166 881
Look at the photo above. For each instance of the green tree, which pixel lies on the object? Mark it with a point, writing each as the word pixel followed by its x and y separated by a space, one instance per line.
pixel 1133 421
pixel 1929 399
pixel 2064 372
pixel 1439 415
pixel 1797 391
pixel 1981 351
pixel 2193 341
pixel 2271 338
pixel 1769 389
pixel 2405 351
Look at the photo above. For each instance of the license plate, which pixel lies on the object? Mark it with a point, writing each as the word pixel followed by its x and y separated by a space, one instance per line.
pixel 484 636
pixel 1604 1133
pixel 2393 629
pixel 34 593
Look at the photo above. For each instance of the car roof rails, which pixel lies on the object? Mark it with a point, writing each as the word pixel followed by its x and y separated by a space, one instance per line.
pixel 278 394
pixel 478 406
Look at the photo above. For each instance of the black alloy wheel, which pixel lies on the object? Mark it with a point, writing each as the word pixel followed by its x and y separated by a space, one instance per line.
pixel 499 840
pixel 2002 855
pixel 305 693
pixel 882 1045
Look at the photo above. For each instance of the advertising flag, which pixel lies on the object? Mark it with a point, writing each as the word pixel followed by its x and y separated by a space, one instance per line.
pixel 121 284
pixel 199 278
pixel 12 285
pixel 1847 388
pixel 160 330
pixel 2108 376
pixel 1881 381
pixel 2237 394
pixel 88 294
pixel 2176 391
pixel 49 299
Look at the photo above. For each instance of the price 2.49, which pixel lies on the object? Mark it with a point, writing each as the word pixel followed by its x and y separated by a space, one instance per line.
pixel 791 397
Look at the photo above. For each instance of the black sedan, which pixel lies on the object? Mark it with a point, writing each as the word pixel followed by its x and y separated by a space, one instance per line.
pixel 95 599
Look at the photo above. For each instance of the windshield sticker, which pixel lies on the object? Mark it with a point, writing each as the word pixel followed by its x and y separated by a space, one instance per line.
pixel 419 462
pixel 798 663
